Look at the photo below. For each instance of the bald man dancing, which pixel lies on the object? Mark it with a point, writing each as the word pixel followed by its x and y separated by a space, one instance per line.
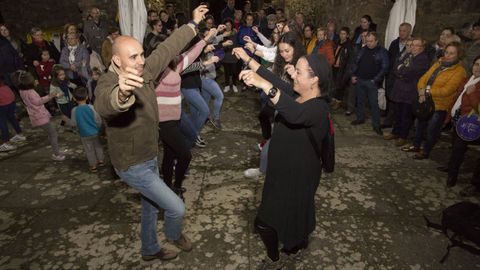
pixel 126 101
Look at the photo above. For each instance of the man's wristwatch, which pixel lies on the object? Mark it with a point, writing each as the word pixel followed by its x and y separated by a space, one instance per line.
pixel 272 92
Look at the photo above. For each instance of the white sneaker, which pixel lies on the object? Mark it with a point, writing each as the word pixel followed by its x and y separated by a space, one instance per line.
pixel 18 138
pixel 252 172
pixel 7 147
pixel 235 90
pixel 226 89
pixel 59 157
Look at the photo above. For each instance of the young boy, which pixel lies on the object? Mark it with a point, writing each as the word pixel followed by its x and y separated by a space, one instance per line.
pixel 88 123
pixel 92 84
pixel 44 74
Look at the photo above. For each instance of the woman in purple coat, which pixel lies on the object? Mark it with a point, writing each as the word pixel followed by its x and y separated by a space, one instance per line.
pixel 407 72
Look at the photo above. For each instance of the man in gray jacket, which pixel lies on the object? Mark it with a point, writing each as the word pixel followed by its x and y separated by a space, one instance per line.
pixel 126 101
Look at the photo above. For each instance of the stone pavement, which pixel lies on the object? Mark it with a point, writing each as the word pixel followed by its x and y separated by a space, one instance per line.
pixel 58 215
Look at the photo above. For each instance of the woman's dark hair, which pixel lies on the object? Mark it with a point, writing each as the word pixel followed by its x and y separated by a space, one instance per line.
pixel 309 25
pixel 291 38
pixel 228 20
pixel 154 22
pixel 23 80
pixel 368 18
pixel 56 69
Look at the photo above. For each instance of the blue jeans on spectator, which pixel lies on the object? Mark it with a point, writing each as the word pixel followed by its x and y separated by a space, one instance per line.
pixel 210 88
pixel 144 177
pixel 433 127
pixel 187 129
pixel 403 119
pixel 198 108
pixel 7 114
pixel 367 89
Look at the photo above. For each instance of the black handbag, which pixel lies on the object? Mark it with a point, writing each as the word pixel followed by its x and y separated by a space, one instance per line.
pixel 424 111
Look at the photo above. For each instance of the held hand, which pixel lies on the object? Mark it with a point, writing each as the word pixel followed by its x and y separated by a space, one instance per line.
pixel 255 29
pixel 240 54
pixel 198 14
pixel 128 81
pixel 250 47
pixel 421 96
pixel 253 79
pixel 227 43
pixel 73 67
pixel 247 39
pixel 211 33
pixel 215 59
pixel 53 94
pixel 35 63
pixel 290 69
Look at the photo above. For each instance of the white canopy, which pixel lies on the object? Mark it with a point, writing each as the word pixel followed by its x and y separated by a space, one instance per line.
pixel 402 11
pixel 133 18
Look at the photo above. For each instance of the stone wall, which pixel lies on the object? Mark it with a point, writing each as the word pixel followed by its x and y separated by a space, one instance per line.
pixel 432 15
pixel 49 14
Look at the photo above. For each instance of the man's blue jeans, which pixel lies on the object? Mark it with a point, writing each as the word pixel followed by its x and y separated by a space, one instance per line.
pixel 144 177
pixel 433 128
pixel 210 88
pixel 367 89
pixel 198 107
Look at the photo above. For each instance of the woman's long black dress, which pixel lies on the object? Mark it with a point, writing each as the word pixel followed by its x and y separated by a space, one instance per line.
pixel 294 170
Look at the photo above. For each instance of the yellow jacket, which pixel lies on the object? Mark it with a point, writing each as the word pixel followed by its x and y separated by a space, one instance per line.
pixel 445 86
pixel 311 44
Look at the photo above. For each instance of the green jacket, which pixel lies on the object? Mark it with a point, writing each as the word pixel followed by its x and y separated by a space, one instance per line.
pixel 132 128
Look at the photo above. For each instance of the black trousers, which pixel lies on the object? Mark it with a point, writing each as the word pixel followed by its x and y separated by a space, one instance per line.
pixel 459 148
pixel 270 239
pixel 266 113
pixel 231 71
pixel 174 147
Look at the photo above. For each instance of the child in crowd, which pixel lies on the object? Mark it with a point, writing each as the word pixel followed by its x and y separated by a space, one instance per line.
pixel 92 84
pixel 44 74
pixel 38 114
pixel 60 87
pixel 44 71
pixel 7 114
pixel 88 122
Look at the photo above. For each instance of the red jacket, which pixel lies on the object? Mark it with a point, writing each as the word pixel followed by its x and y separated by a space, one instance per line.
pixel 470 101
pixel 44 72
pixel 327 51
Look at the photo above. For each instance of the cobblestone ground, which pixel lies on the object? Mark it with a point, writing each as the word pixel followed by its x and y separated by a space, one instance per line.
pixel 58 215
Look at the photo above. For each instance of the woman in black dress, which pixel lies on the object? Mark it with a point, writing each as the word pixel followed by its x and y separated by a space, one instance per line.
pixel 287 211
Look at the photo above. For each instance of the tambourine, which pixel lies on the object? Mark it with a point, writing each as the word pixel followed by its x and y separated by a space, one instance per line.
pixel 468 127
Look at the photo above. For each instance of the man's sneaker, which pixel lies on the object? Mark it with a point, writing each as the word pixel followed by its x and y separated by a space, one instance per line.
pixel 183 243
pixel 7 147
pixel 59 157
pixel 18 138
pixel 200 142
pixel 216 123
pixel 163 255
pixel 268 264
pixel 469 191
pixel 235 90
pixel 252 172
pixel 226 89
